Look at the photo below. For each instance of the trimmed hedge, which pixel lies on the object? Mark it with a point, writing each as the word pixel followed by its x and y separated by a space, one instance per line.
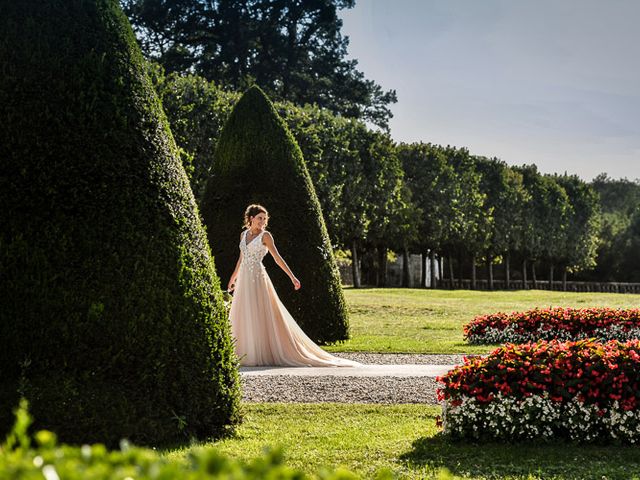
pixel 584 391
pixel 258 161
pixel 111 316
pixel 554 323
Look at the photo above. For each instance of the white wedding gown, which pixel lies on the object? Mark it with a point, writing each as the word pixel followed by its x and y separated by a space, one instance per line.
pixel 265 332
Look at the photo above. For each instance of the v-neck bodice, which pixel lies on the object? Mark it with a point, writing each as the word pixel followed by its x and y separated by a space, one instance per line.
pixel 254 251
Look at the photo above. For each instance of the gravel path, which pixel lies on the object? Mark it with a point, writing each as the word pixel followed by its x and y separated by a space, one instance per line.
pixel 289 388
pixel 402 358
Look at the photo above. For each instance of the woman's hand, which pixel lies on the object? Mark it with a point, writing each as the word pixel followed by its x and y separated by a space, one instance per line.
pixel 231 286
pixel 296 283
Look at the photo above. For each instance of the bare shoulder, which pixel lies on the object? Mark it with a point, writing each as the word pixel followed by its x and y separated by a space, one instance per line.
pixel 267 237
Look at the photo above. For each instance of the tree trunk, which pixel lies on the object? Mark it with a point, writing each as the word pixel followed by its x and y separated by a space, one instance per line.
pixel 382 266
pixel 507 271
pixel 473 272
pixel 524 274
pixel 450 262
pixel 406 280
pixel 551 277
pixel 423 269
pixel 434 262
pixel 490 271
pixel 564 279
pixel 460 271
pixel 355 267
pixel 533 275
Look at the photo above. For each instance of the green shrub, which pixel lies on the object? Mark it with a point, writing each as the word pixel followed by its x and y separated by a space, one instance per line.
pixel 258 161
pixel 111 315
pixel 18 460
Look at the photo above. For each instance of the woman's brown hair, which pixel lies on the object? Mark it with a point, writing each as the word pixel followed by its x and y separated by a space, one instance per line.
pixel 252 211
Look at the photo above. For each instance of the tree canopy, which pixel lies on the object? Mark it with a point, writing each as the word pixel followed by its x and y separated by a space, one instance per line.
pixel 294 50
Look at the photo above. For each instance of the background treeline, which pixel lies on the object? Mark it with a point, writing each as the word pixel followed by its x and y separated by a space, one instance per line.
pixel 475 212
pixel 484 218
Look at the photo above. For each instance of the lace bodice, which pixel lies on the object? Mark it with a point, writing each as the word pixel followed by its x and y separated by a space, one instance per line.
pixel 252 253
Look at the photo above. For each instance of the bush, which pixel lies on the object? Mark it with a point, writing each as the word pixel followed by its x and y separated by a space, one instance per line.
pixel 554 323
pixel 111 316
pixel 18 460
pixel 258 161
pixel 583 391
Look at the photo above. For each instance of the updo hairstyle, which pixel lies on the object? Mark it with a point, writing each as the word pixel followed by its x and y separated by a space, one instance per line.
pixel 252 211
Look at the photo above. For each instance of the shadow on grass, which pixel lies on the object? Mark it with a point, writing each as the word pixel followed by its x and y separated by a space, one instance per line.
pixel 543 461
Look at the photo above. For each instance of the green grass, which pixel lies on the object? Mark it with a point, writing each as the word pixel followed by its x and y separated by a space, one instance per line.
pixel 403 438
pixel 430 321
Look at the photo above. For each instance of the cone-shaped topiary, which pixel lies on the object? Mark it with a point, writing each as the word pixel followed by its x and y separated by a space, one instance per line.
pixel 111 316
pixel 257 160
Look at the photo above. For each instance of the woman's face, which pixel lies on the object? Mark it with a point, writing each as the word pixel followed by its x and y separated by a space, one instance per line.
pixel 259 221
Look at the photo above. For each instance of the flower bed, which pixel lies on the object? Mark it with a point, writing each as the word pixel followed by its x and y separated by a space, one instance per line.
pixel 583 391
pixel 555 324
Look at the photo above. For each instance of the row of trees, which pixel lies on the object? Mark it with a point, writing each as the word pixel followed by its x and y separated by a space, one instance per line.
pixel 437 201
pixel 619 237
pixel 376 195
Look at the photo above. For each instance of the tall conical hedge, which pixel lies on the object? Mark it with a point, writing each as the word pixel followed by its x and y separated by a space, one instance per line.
pixel 257 160
pixel 111 316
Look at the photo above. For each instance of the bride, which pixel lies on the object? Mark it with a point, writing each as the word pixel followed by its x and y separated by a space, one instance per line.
pixel 265 332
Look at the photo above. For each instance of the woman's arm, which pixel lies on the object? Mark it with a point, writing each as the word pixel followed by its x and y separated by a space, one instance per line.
pixel 234 276
pixel 267 239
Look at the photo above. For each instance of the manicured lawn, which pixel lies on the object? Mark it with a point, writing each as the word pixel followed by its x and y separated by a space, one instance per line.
pixel 430 321
pixel 404 439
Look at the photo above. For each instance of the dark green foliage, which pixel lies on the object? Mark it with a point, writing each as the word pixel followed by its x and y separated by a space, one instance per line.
pixel 294 50
pixel 582 224
pixel 111 316
pixel 196 110
pixel 619 199
pixel 258 161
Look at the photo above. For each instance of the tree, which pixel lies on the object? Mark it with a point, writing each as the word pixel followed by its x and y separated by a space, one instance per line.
pixel 556 236
pixel 618 201
pixel 196 110
pixel 431 180
pixel 545 229
pixel 582 228
pixel 258 161
pixel 294 50
pixel 112 323
pixel 506 198
pixel 325 141
pixel 468 228
pixel 386 198
pixel 628 265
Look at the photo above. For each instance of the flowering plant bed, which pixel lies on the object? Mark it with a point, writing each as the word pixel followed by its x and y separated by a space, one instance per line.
pixel 554 323
pixel 583 391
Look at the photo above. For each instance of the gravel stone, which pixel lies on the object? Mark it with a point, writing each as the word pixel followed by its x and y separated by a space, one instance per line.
pixel 291 389
pixel 384 390
pixel 403 358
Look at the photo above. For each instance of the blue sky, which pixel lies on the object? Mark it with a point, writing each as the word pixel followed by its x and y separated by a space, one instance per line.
pixel 550 82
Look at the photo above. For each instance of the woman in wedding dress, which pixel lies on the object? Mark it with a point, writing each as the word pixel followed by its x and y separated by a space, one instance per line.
pixel 265 332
